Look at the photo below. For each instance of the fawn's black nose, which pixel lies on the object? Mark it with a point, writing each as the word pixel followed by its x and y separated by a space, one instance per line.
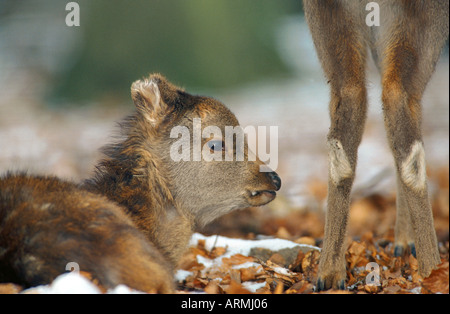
pixel 275 179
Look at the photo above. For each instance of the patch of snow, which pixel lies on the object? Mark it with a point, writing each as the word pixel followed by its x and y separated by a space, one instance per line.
pixel 246 265
pixel 122 289
pixel 181 275
pixel 282 271
pixel 253 286
pixel 70 283
pixel 208 263
pixel 241 246
pixel 74 283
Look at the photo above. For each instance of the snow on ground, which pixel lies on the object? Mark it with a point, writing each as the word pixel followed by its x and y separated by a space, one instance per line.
pixel 74 283
pixel 240 246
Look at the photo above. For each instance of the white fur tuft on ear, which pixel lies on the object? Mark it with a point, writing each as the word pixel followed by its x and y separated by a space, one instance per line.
pixel 147 98
pixel 147 90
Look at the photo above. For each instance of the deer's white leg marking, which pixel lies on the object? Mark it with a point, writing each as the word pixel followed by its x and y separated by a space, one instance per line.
pixel 413 168
pixel 339 166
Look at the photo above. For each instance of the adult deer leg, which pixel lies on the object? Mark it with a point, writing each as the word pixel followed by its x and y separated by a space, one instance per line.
pixel 409 53
pixel 342 51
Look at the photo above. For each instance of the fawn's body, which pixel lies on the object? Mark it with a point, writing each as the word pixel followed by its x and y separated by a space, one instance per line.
pixel 46 223
pixel 131 222
pixel 406 47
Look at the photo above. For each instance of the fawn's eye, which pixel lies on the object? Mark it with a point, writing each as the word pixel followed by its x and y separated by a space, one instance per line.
pixel 216 145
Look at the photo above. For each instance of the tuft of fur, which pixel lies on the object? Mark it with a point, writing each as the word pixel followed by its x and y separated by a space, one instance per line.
pixel 340 167
pixel 413 168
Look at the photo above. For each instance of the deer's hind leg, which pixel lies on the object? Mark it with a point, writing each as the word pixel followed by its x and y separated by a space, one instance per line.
pixel 342 50
pixel 409 48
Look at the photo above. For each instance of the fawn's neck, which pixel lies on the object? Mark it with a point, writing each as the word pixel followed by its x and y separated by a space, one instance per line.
pixel 148 202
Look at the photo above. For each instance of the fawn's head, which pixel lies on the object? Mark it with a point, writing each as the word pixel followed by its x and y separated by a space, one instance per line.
pixel 185 135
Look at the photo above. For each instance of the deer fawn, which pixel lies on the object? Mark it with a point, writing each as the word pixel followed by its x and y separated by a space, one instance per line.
pixel 405 46
pixel 132 221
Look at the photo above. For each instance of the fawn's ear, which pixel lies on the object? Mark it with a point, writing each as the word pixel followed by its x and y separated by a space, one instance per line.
pixel 147 98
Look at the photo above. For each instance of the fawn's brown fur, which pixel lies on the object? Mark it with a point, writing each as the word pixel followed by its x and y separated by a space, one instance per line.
pixel 132 221
pixel 405 47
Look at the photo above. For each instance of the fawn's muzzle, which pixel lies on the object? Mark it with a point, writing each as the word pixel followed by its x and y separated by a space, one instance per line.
pixel 267 193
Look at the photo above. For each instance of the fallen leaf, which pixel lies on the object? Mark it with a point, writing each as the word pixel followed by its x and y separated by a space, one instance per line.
pixel 297 264
pixel 250 273
pixel 371 288
pixel 218 251
pixel 279 288
pixel 306 240
pixel 236 288
pixel 437 282
pixel 283 233
pixel 310 265
pixel 278 259
pixel 237 259
pixel 392 289
pixel 235 275
pixel 212 288
pixel 302 286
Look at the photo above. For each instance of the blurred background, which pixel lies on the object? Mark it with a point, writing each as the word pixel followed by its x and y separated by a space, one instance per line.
pixel 62 89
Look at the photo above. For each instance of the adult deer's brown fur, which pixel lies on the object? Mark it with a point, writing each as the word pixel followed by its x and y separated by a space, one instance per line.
pixel 132 221
pixel 406 47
